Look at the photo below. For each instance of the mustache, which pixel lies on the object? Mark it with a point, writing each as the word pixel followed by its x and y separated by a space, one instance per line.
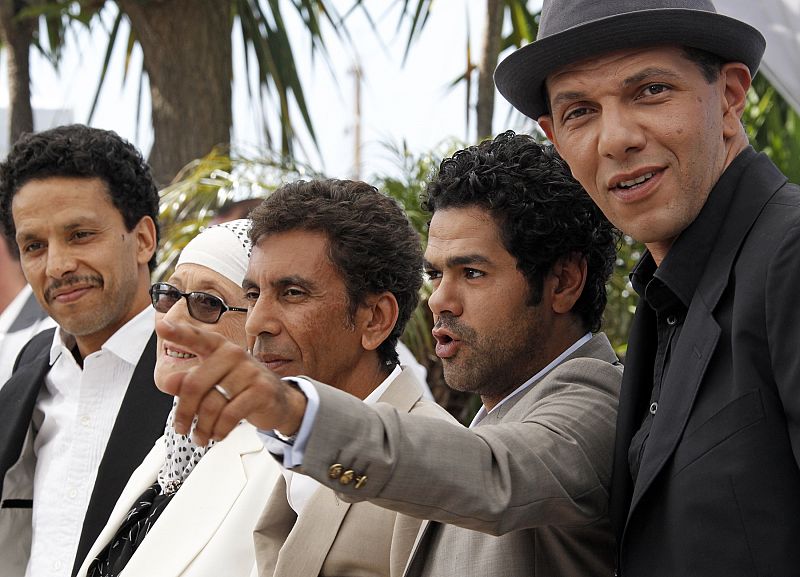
pixel 455 326
pixel 88 279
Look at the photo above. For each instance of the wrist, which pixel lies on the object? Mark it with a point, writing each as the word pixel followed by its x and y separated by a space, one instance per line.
pixel 295 403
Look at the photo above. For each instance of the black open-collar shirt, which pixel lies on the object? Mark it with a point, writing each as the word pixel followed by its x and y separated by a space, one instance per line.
pixel 666 291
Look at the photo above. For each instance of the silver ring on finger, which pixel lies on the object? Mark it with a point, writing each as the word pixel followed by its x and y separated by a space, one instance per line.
pixel 223 391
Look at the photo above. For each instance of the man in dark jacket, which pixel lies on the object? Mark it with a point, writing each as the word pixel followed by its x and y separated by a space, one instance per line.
pixel 81 410
pixel 643 100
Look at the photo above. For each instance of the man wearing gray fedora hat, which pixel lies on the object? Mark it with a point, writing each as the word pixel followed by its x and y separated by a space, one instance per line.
pixel 643 99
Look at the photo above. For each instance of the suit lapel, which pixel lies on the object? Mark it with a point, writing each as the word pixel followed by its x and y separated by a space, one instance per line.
pixel 142 478
pixel 698 341
pixel 197 509
pixel 403 393
pixel 426 529
pixel 309 542
pixel 273 529
pixel 18 399
pixel 139 423
pixel 415 559
pixel 701 332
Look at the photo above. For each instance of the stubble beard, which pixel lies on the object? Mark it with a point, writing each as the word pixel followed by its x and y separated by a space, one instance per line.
pixel 93 318
pixel 492 366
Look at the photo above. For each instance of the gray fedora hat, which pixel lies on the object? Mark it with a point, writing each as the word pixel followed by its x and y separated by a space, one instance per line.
pixel 573 30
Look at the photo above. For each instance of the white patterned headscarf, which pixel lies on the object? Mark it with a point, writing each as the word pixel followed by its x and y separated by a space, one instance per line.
pixel 225 249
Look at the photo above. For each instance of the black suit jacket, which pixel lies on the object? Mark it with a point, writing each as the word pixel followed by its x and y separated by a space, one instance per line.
pixel 139 423
pixel 718 490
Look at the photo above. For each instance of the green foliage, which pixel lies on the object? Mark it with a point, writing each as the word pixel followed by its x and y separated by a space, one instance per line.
pixel 209 183
pixel 773 127
pixel 407 186
pixel 622 298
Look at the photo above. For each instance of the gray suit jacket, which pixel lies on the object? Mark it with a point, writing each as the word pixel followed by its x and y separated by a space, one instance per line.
pixel 524 493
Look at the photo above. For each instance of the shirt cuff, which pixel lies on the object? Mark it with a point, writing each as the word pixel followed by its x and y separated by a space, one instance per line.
pixel 293 453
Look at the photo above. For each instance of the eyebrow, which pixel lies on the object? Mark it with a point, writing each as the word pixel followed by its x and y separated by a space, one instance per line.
pixel 570 96
pixel 295 279
pixel 26 235
pixel 647 73
pixel 577 95
pixel 23 237
pixel 461 260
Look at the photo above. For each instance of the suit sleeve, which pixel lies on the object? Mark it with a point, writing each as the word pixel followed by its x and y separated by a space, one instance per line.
pixel 783 329
pixel 548 464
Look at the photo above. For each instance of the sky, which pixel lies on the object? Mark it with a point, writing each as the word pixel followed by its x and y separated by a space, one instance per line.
pixel 410 101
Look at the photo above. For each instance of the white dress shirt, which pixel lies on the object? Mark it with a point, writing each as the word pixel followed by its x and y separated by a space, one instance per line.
pixel 300 488
pixel 75 413
pixel 12 342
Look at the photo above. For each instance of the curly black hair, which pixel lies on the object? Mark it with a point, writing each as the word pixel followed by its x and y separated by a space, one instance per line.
pixel 373 246
pixel 80 151
pixel 542 212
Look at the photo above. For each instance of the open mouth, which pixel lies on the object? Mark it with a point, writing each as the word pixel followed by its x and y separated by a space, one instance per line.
pixel 446 344
pixel 444 339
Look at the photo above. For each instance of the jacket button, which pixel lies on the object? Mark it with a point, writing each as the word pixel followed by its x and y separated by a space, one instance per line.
pixel 335 471
pixel 360 481
pixel 347 477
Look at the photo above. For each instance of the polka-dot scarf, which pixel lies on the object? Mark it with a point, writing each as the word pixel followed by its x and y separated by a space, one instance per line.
pixel 224 248
pixel 182 455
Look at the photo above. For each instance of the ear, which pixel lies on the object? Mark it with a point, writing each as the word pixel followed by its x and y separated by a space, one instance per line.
pixel 145 232
pixel 546 124
pixel 735 77
pixel 377 318
pixel 566 282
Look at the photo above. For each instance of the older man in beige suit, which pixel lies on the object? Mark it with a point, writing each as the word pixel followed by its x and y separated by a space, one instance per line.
pixel 333 278
pixel 518 256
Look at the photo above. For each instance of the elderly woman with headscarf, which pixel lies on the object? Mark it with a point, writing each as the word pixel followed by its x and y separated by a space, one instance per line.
pixel 190 510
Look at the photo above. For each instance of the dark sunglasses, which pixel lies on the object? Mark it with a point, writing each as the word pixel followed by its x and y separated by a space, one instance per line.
pixel 204 307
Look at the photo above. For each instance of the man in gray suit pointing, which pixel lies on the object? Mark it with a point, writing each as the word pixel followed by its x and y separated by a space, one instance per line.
pixel 518 256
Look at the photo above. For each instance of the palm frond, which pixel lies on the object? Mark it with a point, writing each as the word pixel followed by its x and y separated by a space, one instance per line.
pixel 206 184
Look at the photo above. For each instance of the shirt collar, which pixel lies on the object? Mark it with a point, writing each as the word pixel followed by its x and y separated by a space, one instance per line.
pixel 482 412
pixel 373 397
pixel 127 343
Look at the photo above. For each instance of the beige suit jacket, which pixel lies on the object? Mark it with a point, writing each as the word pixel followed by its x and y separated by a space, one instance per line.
pixel 206 530
pixel 525 493
pixel 332 537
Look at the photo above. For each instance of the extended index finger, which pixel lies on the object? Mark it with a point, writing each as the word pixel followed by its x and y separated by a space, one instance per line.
pixel 201 343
